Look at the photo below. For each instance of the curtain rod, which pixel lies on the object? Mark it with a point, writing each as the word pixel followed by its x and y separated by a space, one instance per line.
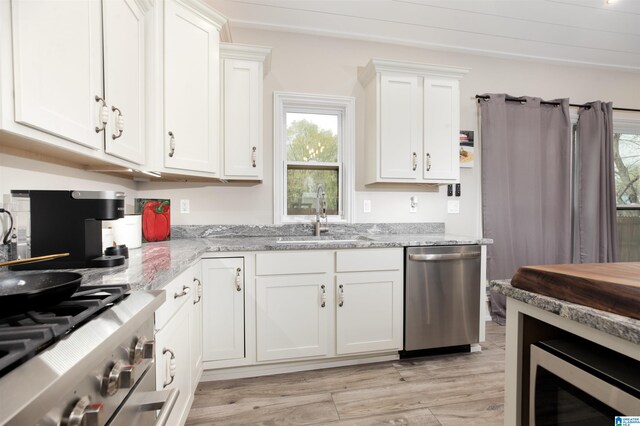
pixel 486 97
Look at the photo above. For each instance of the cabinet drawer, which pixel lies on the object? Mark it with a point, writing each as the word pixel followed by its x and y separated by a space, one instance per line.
pixel 302 262
pixel 369 260
pixel 176 296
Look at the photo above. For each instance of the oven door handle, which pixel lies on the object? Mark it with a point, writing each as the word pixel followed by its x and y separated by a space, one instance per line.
pixel 444 256
pixel 163 400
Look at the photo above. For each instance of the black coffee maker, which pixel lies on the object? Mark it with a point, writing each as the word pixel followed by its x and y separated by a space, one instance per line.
pixel 71 222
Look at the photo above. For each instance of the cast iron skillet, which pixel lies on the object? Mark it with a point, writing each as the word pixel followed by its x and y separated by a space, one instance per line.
pixel 25 291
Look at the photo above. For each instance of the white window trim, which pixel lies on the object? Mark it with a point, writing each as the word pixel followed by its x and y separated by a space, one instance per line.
pixel 346 106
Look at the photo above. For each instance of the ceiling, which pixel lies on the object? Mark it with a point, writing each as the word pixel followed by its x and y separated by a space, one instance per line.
pixel 586 32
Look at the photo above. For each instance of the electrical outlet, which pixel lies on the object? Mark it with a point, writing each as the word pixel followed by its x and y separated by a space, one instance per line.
pixel 449 190
pixel 184 206
pixel 453 206
pixel 366 206
pixel 413 204
pixel 457 189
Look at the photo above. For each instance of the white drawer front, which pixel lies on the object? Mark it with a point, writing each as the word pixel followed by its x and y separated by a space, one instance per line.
pixel 178 292
pixel 301 262
pixel 386 259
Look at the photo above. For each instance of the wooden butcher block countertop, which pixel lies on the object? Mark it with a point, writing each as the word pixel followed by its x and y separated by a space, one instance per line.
pixel 610 287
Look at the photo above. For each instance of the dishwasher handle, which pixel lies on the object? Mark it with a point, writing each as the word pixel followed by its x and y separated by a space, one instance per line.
pixel 444 256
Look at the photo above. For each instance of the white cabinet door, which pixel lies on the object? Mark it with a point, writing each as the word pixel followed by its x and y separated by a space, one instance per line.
pixel 191 90
pixel 441 130
pixel 242 124
pixel 57 65
pixel 400 127
pixel 196 327
pixel 292 315
pixel 368 312
pixel 223 316
pixel 124 78
pixel 172 348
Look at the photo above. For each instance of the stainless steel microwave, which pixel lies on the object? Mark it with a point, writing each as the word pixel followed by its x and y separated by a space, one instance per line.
pixel 577 382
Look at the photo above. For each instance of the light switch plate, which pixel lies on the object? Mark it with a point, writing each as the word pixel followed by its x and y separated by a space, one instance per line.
pixel 453 206
pixel 366 206
pixel 184 206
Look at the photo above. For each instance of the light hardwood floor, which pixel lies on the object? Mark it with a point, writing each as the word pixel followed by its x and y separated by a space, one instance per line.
pixel 456 389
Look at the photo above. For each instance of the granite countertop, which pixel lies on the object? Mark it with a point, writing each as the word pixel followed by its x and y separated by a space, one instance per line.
pixel 616 325
pixel 154 265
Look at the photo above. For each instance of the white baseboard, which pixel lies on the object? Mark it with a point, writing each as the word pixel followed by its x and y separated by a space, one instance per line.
pixel 289 367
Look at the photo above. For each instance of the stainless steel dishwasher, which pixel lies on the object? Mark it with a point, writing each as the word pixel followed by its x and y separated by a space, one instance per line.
pixel 442 296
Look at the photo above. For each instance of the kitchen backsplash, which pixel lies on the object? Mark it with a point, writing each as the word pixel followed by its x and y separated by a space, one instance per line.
pixel 207 231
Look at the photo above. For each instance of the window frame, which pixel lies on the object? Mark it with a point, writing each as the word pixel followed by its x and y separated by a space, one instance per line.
pixel 632 126
pixel 344 107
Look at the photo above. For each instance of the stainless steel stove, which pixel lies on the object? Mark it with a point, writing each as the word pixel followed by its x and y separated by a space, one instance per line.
pixel 85 361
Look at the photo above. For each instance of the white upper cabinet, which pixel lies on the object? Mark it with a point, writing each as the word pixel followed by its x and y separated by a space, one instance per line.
pixel 441 129
pixel 400 127
pixel 57 68
pixel 124 70
pixel 78 77
pixel 412 122
pixel 191 88
pixel 243 68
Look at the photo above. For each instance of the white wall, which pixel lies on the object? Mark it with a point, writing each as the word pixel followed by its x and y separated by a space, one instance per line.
pixel 312 64
pixel 25 173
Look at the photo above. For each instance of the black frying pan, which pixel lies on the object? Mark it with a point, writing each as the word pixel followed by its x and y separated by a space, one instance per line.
pixel 25 291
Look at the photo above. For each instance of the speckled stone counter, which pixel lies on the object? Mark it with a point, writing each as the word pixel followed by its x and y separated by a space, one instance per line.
pixel 616 325
pixel 154 265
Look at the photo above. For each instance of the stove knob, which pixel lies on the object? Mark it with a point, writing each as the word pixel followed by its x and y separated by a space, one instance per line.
pixel 84 413
pixel 143 349
pixel 120 376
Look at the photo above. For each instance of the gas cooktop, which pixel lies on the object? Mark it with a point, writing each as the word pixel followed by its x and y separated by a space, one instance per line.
pixel 25 335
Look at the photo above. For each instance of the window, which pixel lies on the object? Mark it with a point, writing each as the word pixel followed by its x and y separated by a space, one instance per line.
pixel 626 157
pixel 313 145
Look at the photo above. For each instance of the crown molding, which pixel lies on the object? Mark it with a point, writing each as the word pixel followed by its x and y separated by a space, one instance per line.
pixel 206 12
pixel 247 52
pixel 377 65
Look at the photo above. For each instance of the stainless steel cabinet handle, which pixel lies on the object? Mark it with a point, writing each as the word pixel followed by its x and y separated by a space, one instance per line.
pixel 446 256
pixel 323 296
pixel 103 114
pixel 163 400
pixel 198 291
pixel 428 161
pixel 253 156
pixel 119 123
pixel 238 279
pixel 341 295
pixel 172 144
pixel 414 161
pixel 172 367
pixel 184 292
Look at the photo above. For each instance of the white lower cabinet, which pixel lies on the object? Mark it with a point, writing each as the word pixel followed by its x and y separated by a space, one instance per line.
pixel 368 312
pixel 223 316
pixel 178 342
pixel 327 303
pixel 173 361
pixel 292 316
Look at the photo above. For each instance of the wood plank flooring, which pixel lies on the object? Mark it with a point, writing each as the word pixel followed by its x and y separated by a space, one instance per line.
pixel 456 389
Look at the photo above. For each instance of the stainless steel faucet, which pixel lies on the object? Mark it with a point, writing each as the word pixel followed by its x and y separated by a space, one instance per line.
pixel 319 228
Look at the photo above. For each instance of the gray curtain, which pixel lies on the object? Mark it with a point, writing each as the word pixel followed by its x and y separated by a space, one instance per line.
pixel 597 238
pixel 526 186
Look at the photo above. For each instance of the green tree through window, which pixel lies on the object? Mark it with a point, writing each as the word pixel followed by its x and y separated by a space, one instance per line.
pixel 312 159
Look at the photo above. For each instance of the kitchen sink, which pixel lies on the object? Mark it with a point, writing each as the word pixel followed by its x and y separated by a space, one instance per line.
pixel 323 239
